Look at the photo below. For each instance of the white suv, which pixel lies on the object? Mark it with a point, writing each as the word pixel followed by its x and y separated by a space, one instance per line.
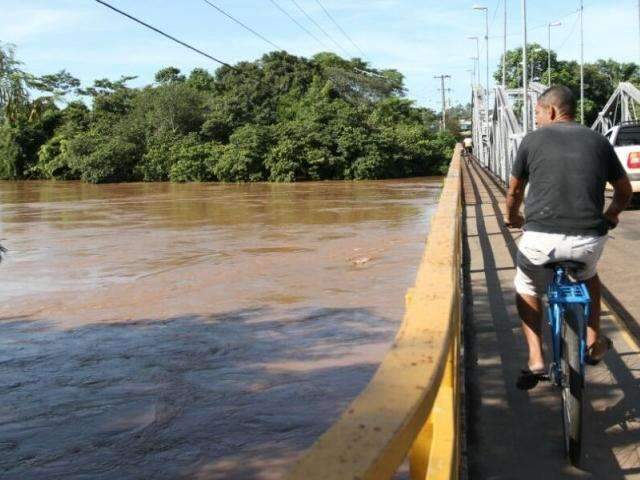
pixel 625 139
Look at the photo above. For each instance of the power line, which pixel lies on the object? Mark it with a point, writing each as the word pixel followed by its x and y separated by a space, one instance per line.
pixel 559 18
pixel 357 70
pixel 184 44
pixel 537 27
pixel 340 28
pixel 495 13
pixel 293 19
pixel 573 29
pixel 157 30
pixel 262 37
pixel 319 27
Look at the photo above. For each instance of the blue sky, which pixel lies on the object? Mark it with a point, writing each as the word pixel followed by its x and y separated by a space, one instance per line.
pixel 421 38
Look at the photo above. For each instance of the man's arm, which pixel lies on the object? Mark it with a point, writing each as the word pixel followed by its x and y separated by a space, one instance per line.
pixel 622 195
pixel 515 196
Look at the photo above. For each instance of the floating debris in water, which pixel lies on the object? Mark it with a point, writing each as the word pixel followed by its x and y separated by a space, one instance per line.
pixel 360 260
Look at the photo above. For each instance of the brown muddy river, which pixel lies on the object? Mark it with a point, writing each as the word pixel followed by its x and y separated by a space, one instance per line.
pixel 160 331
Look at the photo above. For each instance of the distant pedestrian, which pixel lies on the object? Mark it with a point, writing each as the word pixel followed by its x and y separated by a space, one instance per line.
pixel 468 144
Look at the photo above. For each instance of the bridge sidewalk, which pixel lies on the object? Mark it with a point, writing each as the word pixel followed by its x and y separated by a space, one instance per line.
pixel 514 434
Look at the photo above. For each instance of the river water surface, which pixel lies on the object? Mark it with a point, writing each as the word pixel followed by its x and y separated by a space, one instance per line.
pixel 161 331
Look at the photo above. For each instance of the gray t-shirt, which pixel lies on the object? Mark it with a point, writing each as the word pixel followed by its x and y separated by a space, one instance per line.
pixel 567 167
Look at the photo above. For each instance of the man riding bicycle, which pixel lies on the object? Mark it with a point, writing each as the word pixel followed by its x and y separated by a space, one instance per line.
pixel 566 167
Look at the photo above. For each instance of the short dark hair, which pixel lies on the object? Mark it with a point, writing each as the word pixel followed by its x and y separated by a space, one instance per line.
pixel 560 97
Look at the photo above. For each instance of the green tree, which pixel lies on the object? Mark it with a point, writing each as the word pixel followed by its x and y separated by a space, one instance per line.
pixel 455 115
pixel 201 80
pixel 101 158
pixel 243 158
pixel 601 78
pixel 279 118
pixel 194 161
pixel 14 96
pixel 53 155
pixel 536 68
pixel 11 154
pixel 169 75
pixel 175 107
pixel 159 157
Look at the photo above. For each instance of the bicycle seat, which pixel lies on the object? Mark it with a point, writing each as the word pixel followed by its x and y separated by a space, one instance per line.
pixel 568 265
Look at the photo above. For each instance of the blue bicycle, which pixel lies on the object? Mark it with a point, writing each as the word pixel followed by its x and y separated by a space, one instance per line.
pixel 568 313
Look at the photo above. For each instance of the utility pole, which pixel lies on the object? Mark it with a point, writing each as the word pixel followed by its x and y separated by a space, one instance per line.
pixel 582 62
pixel 552 24
pixel 444 99
pixel 525 94
pixel 504 48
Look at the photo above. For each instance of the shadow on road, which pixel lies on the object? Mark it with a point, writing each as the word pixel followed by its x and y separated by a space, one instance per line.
pixel 517 434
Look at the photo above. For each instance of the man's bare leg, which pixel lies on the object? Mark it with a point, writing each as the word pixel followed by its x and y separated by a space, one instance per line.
pixel 530 311
pixel 593 327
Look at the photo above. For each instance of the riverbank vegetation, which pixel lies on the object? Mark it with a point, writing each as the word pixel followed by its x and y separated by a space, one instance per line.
pixel 601 77
pixel 280 118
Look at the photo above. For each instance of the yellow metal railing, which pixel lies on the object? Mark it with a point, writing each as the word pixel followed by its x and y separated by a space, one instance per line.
pixel 411 406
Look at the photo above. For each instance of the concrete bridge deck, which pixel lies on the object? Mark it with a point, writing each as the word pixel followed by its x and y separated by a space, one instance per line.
pixel 513 434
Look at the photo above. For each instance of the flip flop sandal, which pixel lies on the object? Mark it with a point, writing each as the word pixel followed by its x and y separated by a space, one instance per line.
pixel 592 359
pixel 529 378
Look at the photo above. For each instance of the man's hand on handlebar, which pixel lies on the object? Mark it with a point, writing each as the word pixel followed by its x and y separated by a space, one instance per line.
pixel 516 222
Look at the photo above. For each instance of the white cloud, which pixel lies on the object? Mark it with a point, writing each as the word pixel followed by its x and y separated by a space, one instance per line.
pixel 419 38
pixel 22 24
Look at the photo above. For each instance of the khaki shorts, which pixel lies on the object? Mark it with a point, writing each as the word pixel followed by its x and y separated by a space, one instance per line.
pixel 537 249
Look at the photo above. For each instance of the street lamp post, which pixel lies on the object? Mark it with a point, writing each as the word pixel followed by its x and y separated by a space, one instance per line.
pixel 504 49
pixel 477 57
pixel 582 62
pixel 525 93
pixel 486 35
pixel 475 70
pixel 552 24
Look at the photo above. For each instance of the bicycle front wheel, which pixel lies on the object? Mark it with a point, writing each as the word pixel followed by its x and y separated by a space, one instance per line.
pixel 573 381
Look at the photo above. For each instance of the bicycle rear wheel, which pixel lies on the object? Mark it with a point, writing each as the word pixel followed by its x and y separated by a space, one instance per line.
pixel 573 381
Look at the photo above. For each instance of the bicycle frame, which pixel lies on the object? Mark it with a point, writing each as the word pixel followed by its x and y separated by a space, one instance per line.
pixel 561 292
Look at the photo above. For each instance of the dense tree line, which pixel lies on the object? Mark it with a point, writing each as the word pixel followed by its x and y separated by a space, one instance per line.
pixel 601 77
pixel 280 118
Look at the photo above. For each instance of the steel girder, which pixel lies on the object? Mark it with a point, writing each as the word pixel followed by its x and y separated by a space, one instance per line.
pixel 496 144
pixel 621 107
